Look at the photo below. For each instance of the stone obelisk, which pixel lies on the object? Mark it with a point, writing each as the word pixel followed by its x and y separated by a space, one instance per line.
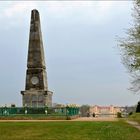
pixel 36 92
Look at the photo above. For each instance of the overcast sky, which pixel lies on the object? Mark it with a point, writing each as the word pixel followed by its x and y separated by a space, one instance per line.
pixel 83 62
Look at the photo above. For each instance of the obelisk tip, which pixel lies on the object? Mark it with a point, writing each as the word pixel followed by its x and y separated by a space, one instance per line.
pixel 35 15
pixel 35 10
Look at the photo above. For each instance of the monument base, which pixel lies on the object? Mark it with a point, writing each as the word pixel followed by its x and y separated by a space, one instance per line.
pixel 37 98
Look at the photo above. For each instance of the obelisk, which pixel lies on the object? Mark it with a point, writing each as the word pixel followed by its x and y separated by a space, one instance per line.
pixel 36 92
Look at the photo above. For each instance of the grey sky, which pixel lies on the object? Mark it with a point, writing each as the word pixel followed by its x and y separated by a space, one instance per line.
pixel 83 62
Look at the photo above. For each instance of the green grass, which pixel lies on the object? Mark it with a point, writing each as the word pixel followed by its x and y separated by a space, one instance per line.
pixel 135 117
pixel 33 117
pixel 68 131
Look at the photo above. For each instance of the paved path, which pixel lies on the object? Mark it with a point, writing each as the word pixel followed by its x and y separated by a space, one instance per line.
pixel 134 124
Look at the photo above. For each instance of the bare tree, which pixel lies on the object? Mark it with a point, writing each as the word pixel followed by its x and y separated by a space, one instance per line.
pixel 130 49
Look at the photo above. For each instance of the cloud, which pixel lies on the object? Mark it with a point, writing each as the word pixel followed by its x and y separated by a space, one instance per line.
pixel 97 12
pixel 94 12
pixel 12 14
pixel 94 8
pixel 18 8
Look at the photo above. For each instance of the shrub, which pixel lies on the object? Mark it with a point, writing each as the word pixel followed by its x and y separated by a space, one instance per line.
pixel 138 107
pixel 119 115
pixel 130 113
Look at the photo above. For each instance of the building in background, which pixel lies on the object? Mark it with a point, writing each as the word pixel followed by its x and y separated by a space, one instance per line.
pixel 105 110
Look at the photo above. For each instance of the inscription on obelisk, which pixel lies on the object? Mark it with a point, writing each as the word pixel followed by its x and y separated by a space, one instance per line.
pixel 36 92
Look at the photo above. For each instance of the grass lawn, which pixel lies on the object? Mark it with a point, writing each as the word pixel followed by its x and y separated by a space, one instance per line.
pixel 33 117
pixel 68 131
pixel 135 117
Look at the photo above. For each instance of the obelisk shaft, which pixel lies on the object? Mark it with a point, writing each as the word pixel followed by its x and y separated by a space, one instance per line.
pixel 36 60
pixel 35 43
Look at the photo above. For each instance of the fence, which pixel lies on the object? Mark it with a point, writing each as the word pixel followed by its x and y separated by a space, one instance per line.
pixel 53 111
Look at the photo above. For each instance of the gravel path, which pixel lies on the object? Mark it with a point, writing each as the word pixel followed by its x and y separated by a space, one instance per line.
pixel 134 124
pixel 78 119
pixel 96 119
